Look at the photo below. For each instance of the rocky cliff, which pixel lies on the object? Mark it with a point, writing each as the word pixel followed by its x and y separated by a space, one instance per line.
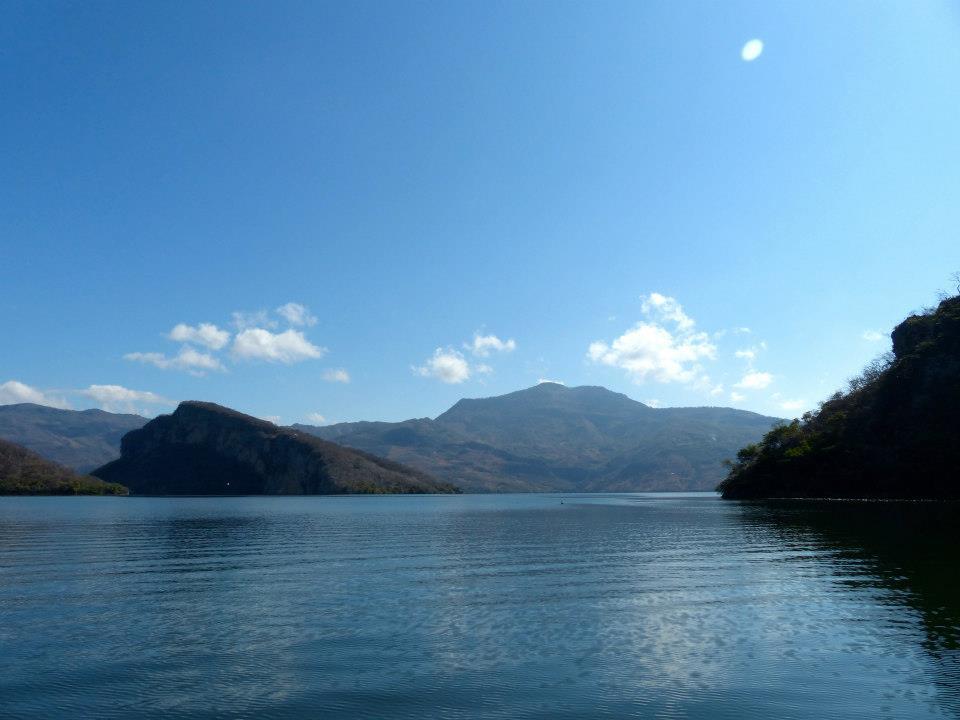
pixel 206 449
pixel 894 434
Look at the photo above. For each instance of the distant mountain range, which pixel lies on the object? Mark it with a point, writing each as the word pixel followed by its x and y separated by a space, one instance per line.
pixel 80 439
pixel 545 438
pixel 207 449
pixel 556 438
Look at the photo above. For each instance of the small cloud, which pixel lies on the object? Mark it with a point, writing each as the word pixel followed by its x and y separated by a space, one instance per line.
pixel 653 402
pixel 737 397
pixel 750 354
pixel 872 336
pixel 716 390
pixel 541 381
pixel 338 375
pixel 666 309
pixel 482 369
pixel 116 398
pixel 287 347
pixel 297 314
pixel 14 392
pixel 448 366
pixel 483 345
pixel 316 418
pixel 755 381
pixel 798 404
pixel 244 320
pixel 206 334
pixel 751 50
pixel 735 331
pixel 665 348
pixel 275 419
pixel 189 360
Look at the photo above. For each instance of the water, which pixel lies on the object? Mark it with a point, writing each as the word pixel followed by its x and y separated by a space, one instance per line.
pixel 512 606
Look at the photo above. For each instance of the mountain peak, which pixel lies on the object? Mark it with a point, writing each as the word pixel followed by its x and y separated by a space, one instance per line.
pixel 554 437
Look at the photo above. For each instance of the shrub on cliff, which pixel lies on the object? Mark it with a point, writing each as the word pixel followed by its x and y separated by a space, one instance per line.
pixel 895 432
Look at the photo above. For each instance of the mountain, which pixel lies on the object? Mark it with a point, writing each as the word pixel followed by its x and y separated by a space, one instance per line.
pixel 894 434
pixel 207 449
pixel 23 472
pixel 551 437
pixel 80 439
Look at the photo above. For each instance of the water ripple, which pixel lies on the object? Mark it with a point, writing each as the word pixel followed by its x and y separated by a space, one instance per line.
pixel 608 606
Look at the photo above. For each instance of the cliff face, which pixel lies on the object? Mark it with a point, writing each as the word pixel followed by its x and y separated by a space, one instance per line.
pixel 206 449
pixel 895 434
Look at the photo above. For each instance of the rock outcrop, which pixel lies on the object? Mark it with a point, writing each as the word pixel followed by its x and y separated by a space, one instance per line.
pixel 207 449
pixel 894 434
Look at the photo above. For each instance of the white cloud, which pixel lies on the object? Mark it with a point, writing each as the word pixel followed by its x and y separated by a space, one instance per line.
pixel 116 398
pixel 244 320
pixel 650 350
pixel 483 345
pixel 653 402
pixel 206 334
pixel 716 390
pixel 316 418
pixel 737 397
pixel 666 309
pixel 750 354
pixel 196 363
pixel 755 381
pixel 872 336
pixel 336 375
pixel 13 392
pixel 297 314
pixel 736 331
pixel 275 419
pixel 287 347
pixel 188 359
pixel 798 404
pixel 541 381
pixel 448 366
pixel 751 50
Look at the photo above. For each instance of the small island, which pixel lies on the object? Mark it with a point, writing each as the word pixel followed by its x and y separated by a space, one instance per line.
pixel 895 434
pixel 23 472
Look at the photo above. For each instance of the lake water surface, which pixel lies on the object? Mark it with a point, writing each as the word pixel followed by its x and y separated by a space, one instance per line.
pixel 510 606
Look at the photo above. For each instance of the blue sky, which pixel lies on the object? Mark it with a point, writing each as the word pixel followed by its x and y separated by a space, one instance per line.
pixel 383 207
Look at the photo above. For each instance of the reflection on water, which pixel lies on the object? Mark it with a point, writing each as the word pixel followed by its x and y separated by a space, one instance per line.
pixel 909 549
pixel 477 606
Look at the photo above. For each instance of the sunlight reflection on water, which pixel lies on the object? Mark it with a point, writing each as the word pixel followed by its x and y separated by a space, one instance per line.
pixel 512 606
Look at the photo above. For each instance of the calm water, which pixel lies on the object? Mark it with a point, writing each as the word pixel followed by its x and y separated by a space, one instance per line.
pixel 476 607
